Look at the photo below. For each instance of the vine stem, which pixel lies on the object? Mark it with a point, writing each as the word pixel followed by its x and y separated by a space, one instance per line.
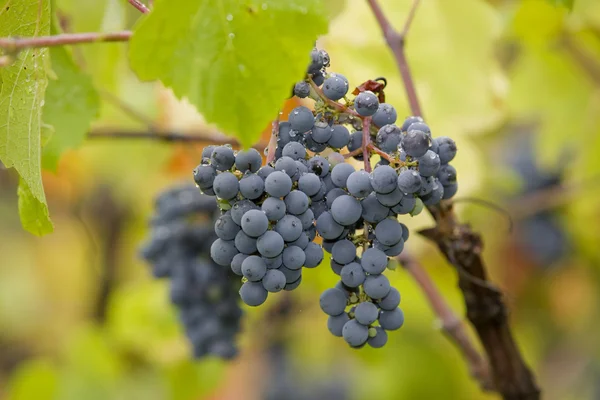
pixel 15 44
pixel 462 248
pixel 140 6
pixel 451 324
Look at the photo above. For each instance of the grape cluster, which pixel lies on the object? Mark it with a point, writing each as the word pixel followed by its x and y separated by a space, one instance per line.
pixel 266 231
pixel 273 213
pixel 204 292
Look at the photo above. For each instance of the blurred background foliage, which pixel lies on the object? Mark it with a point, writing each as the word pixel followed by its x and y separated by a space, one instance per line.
pixel 515 83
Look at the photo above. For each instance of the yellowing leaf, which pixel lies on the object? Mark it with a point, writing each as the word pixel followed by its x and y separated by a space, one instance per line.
pixel 34 214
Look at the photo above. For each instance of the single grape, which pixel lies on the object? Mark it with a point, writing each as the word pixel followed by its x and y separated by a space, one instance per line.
pixel 334 159
pixel 294 150
pixel 273 263
pixel 270 244
pixel 248 160
pixel 226 185
pixel 291 275
pixel 319 166
pixel 301 242
pixel 239 209
pixel 343 251
pixel 384 179
pixel 391 320
pixel 415 143
pixel 374 261
pixel 366 313
pixel 289 227
pixel 254 268
pixel 420 126
pixel 251 186
pixel 253 293
pixel 429 164
pixel 340 174
pixel 346 210
pixel 354 333
pixel 405 232
pixel 388 232
pixel 446 148
pixel 327 227
pixel 409 181
pixel 353 275
pixel 274 281
pixel 255 223
pixel 244 243
pixel 301 119
pixel 204 176
pixel 388 138
pixel 296 202
pixel 278 184
pixel 391 301
pixel 307 219
pixel 447 175
pixel 355 143
pixel 380 338
pixel 236 263
pixel 293 285
pixel 339 136
pixel 273 208
pixel 377 286
pixel 450 191
pixel 320 194
pixel 301 89
pixel 373 211
pixel 225 228
pixel 223 251
pixel 390 199
pixel 366 103
pixel 293 257
pixel 264 171
pixel 314 255
pixel 436 194
pixel 318 78
pixel 321 132
pixel 409 121
pixel 222 158
pixel 386 114
pixel 335 267
pixel 309 184
pixel 287 165
pixel 335 324
pixel 333 302
pixel 336 86
pixel 207 152
pixel 332 195
pixel 359 184
pixel 314 146
pixel 283 136
pixel 390 251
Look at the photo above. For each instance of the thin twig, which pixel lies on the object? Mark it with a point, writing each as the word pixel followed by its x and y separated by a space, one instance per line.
pixel 272 147
pixel 140 6
pixel 451 324
pixel 331 103
pixel 584 59
pixel 15 44
pixel 396 42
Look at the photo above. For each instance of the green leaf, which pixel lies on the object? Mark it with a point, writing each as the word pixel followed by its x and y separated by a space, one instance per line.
pixel 72 103
pixel 235 60
pixel 22 95
pixel 33 213
pixel 35 379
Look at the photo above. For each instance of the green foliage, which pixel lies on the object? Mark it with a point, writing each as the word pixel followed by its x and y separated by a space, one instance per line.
pixel 565 3
pixel 71 104
pixel 22 98
pixel 34 214
pixel 235 61
pixel 34 380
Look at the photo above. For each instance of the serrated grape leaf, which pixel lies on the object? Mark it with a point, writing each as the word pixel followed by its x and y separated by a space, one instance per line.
pixel 22 97
pixel 236 61
pixel 72 103
pixel 34 214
